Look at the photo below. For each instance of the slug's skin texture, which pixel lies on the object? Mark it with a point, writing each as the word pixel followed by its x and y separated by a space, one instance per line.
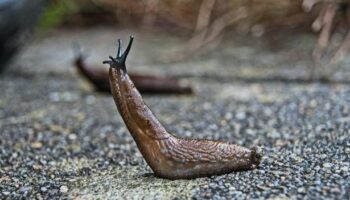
pixel 146 84
pixel 171 157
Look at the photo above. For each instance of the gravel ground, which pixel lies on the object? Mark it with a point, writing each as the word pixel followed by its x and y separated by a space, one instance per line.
pixel 61 139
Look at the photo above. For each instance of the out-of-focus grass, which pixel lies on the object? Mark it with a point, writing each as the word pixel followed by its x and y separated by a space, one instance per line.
pixel 55 14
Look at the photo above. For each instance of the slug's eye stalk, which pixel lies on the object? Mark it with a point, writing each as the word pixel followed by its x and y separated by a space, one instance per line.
pixel 119 48
pixel 119 60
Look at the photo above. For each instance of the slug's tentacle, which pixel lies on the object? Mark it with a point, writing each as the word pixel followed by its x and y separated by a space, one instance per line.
pixel 113 59
pixel 119 60
pixel 119 48
pixel 169 156
pixel 126 52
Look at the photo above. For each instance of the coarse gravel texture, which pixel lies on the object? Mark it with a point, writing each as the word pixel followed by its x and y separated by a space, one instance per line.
pixel 62 139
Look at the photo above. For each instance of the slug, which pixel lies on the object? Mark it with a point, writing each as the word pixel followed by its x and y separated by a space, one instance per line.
pixel 169 156
pixel 146 84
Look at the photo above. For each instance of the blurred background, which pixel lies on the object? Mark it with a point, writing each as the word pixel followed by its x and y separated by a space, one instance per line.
pixel 306 37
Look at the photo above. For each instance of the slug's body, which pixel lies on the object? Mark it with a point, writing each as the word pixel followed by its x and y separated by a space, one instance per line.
pixel 169 156
pixel 146 84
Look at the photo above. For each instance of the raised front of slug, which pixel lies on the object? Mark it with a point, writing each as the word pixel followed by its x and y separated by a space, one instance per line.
pixel 168 156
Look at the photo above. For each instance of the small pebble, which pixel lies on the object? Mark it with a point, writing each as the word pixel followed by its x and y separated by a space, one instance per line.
pixel 5 193
pixel 37 145
pixel 327 165
pixel 72 136
pixel 63 189
pixel 25 189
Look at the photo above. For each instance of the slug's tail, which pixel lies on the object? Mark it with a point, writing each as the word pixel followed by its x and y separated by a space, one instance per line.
pixel 119 60
pixel 256 157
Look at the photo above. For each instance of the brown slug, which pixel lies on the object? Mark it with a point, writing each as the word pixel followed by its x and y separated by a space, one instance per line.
pixel 146 84
pixel 169 156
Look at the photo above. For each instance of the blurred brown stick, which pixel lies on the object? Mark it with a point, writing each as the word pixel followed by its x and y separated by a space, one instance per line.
pixel 327 24
pixel 331 13
pixel 205 11
pixel 151 11
pixel 212 31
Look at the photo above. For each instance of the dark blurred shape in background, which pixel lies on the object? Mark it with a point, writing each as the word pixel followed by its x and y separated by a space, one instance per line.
pixel 203 22
pixel 17 20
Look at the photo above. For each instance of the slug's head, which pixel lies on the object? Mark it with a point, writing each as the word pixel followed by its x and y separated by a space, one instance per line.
pixel 119 61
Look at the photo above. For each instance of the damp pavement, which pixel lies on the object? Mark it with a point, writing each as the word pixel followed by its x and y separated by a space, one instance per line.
pixel 62 139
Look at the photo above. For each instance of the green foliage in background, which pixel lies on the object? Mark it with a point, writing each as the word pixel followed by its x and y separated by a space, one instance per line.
pixel 55 14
